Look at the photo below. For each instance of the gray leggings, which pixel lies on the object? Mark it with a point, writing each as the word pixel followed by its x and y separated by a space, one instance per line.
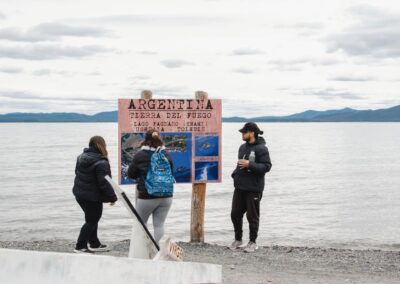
pixel 159 207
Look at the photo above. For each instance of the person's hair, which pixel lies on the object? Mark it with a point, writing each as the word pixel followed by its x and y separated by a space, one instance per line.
pixel 152 139
pixel 99 143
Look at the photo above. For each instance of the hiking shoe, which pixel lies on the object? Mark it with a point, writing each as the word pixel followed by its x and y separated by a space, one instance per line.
pixel 235 245
pixel 83 250
pixel 99 248
pixel 251 247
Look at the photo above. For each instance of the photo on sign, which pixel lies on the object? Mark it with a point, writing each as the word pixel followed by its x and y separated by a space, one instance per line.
pixel 206 171
pixel 179 145
pixel 206 146
pixel 130 145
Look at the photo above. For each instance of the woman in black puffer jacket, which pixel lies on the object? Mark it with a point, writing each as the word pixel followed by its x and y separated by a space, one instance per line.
pixel 91 190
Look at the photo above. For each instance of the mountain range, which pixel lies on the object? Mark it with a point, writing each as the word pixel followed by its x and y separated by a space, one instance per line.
pixel 341 115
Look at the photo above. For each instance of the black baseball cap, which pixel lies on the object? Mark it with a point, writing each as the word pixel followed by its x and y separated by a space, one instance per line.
pixel 251 127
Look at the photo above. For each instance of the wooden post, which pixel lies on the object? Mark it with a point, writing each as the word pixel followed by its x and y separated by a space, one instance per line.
pixel 146 94
pixel 198 199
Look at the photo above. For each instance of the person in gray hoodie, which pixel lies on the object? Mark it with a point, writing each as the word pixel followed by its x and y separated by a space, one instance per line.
pixel 249 182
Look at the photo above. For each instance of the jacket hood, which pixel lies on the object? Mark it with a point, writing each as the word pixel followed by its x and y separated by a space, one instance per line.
pixel 89 157
pixel 259 140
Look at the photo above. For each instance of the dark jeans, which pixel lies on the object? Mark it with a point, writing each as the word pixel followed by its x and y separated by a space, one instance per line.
pixel 243 202
pixel 88 234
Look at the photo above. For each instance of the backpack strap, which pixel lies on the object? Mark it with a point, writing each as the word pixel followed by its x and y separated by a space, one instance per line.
pixel 149 154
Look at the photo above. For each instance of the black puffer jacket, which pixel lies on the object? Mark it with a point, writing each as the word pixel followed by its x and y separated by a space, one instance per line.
pixel 253 178
pixel 90 184
pixel 138 171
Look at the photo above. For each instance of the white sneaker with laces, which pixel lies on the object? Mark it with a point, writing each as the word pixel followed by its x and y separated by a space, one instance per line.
pixel 251 247
pixel 235 245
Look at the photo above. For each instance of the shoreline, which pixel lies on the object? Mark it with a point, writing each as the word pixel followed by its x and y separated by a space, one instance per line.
pixel 270 264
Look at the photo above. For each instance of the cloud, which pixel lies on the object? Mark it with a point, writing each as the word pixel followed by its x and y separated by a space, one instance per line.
pixel 159 90
pixel 164 91
pixel 387 103
pixel 25 95
pixel 2 16
pixel 287 68
pixel 94 73
pixel 51 72
pixel 316 61
pixel 325 61
pixel 331 94
pixel 249 108
pixel 292 61
pixel 51 32
pixel 298 64
pixel 144 52
pixel 175 63
pixel 11 70
pixel 247 51
pixel 376 34
pixel 302 28
pixel 158 19
pixel 289 65
pixel 244 70
pixel 168 91
pixel 352 78
pixel 140 78
pixel 310 25
pixel 48 72
pixel 47 52
pixel 19 100
pixel 10 106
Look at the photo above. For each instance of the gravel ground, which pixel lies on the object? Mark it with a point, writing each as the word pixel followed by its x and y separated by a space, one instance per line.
pixel 275 264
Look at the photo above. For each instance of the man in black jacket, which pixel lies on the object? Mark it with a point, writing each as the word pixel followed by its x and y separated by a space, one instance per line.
pixel 249 179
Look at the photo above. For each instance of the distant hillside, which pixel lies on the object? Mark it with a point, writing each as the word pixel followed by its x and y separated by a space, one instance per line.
pixel 111 116
pixel 312 114
pixel 342 115
pixel 389 114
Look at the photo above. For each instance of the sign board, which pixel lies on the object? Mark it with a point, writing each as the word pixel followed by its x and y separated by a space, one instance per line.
pixel 190 129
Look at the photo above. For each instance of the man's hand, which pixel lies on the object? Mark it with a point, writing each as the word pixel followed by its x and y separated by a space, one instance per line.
pixel 243 164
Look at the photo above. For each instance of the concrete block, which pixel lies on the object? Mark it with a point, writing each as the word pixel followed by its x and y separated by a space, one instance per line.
pixel 33 267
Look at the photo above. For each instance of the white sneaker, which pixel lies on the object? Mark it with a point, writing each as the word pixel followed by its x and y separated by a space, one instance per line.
pixel 83 250
pixel 251 247
pixel 235 245
pixel 100 248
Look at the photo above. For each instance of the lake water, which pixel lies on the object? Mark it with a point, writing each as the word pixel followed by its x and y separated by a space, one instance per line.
pixel 331 184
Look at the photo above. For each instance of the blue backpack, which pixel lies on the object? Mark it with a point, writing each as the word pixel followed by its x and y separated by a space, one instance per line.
pixel 159 179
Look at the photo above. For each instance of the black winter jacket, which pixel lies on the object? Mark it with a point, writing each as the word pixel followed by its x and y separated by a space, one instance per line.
pixel 138 171
pixel 253 178
pixel 90 184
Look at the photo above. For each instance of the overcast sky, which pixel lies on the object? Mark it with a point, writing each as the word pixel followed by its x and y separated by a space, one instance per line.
pixel 260 57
